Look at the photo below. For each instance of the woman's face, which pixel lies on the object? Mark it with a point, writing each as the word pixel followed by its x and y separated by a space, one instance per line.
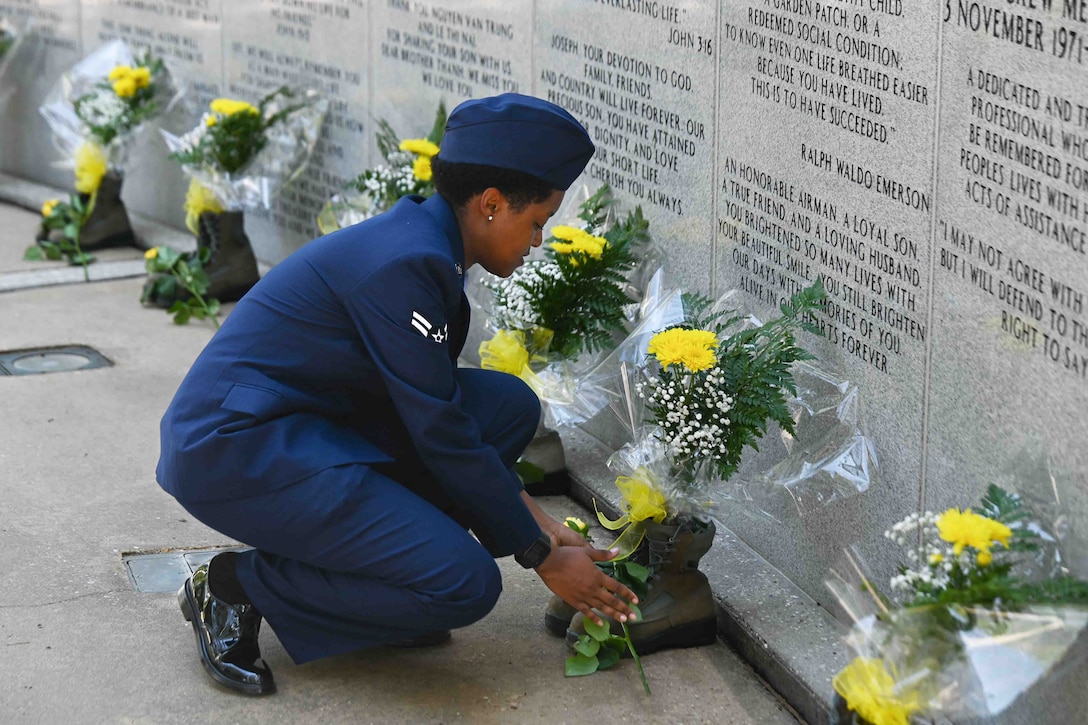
pixel 501 244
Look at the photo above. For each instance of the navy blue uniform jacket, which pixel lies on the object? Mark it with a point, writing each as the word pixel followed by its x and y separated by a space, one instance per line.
pixel 344 353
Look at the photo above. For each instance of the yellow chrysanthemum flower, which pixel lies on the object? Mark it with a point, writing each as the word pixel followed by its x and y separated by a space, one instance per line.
pixel 125 87
pixel 964 528
pixel 562 231
pixel 421 168
pixel 577 240
pixel 229 107
pixel 869 690
pixel 49 206
pixel 694 349
pixel 151 253
pixel 641 499
pixel 419 146
pixel 199 199
pixel 142 76
pixel 90 167
pixel 118 72
pixel 984 558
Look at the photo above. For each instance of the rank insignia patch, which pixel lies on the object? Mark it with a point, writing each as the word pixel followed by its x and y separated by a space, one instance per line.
pixel 425 328
pixel 421 323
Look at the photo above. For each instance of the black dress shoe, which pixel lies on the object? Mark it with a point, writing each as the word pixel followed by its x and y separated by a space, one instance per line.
pixel 226 636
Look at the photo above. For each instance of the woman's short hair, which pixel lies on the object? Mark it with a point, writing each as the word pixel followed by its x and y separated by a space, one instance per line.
pixel 459 182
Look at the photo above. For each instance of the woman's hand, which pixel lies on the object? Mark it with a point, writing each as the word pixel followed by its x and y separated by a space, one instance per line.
pixel 554 529
pixel 565 535
pixel 570 572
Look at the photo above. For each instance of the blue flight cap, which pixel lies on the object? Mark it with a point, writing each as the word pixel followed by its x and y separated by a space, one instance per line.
pixel 518 132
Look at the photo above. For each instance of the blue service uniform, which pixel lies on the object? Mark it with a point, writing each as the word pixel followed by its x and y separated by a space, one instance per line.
pixel 328 426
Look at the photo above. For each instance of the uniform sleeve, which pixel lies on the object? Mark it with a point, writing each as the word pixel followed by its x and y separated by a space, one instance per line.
pixel 401 313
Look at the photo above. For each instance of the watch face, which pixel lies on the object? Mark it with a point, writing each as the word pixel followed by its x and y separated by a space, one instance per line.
pixel 535 555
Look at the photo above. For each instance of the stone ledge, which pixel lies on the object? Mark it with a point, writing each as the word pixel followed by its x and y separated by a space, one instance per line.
pixel 794 644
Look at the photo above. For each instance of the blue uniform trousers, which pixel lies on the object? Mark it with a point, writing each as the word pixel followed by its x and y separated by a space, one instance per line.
pixel 358 555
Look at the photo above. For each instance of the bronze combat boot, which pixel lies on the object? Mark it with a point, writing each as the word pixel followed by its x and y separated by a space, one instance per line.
pixel 678 610
pixel 108 225
pixel 232 268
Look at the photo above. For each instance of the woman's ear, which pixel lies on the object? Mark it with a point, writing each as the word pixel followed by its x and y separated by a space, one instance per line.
pixel 490 202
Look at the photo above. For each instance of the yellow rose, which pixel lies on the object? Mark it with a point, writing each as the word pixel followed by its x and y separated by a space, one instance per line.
pixel 90 168
pixel 125 87
pixel 49 206
pixel 151 253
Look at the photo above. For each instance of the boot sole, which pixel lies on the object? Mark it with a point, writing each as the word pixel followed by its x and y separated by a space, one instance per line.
pixel 556 625
pixel 693 634
pixel 187 602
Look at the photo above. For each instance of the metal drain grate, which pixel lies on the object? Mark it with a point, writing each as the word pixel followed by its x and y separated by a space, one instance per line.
pixel 166 571
pixel 36 361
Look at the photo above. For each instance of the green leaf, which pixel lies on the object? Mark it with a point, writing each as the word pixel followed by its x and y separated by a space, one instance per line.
pixel 34 253
pixel 587 646
pixel 52 251
pixel 636 571
pixel 71 231
pixel 178 306
pixel 213 307
pixel 181 317
pixel 580 665
pixel 79 259
pixel 608 656
pixel 599 632
pixel 636 611
pixel 529 473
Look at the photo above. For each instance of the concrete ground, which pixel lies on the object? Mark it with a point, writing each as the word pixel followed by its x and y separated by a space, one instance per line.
pixel 77 492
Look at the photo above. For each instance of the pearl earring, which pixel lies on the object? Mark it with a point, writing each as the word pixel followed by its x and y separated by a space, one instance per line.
pixel 490 217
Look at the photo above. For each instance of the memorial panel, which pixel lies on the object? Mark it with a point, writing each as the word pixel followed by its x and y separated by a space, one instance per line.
pixel 826 132
pixel 317 45
pixel 641 77
pixel 187 36
pixel 52 49
pixel 1010 330
pixel 427 52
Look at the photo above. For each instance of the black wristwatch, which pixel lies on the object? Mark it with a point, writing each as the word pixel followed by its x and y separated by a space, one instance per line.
pixel 534 555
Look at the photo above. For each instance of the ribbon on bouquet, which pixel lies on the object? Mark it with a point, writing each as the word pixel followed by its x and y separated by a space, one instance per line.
pixel 507 352
pixel 642 501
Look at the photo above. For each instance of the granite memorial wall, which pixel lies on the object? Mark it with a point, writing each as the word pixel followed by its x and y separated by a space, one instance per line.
pixel 927 160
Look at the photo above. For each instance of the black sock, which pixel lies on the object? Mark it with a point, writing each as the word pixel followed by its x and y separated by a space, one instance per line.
pixel 223 581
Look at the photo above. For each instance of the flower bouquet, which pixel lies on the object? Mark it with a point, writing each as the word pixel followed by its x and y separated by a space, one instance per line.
pixel 696 394
pixel 407 170
pixel 554 318
pixel 982 610
pixel 96 112
pixel 238 156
